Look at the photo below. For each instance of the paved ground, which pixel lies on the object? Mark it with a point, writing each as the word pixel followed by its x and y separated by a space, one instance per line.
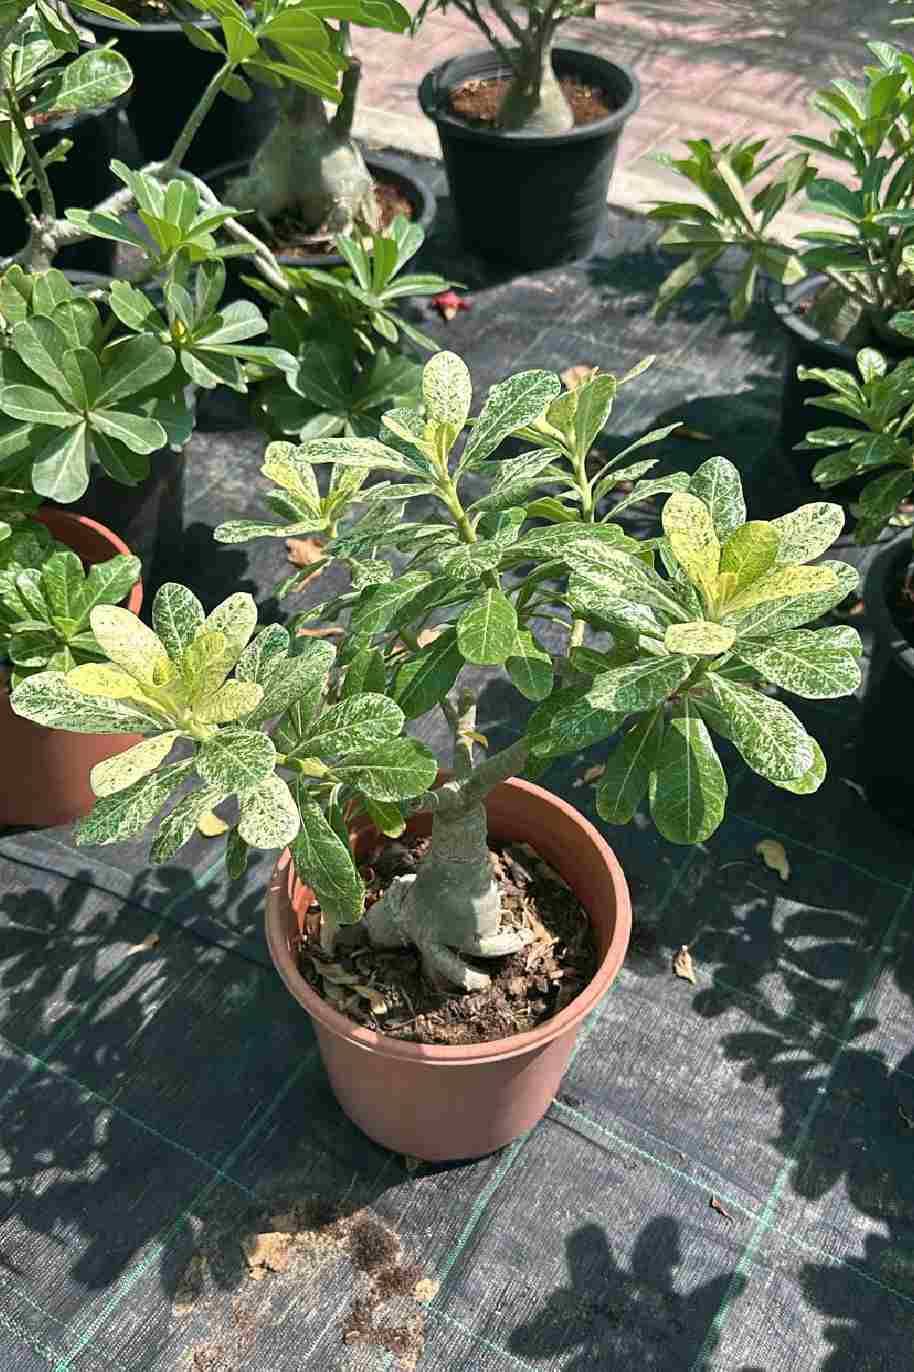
pixel 708 68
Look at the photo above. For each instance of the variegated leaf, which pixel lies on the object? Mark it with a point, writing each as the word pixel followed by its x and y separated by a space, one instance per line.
pixel 299 678
pixel 688 788
pixel 487 629
pixel 232 701
pixel 104 679
pixel 181 821
pixel 700 638
pixel 810 781
pixel 447 390
pixel 324 862
pixel 530 667
pixel 749 552
pixel 355 452
pixel 569 721
pixel 236 620
pixel 264 655
pixel 808 532
pixel 774 616
pixel 131 645
pixel 176 617
pixel 236 759
pixel 768 735
pixel 427 677
pixel 127 813
pixel 801 661
pixel 510 405
pixel 284 464
pixel 688 525
pixel 718 484
pixel 395 770
pixel 590 598
pixel 627 770
pixel 639 685
pixel 117 773
pixel 620 574
pixel 269 815
pixel 47 698
pixel 782 583
pixel 352 726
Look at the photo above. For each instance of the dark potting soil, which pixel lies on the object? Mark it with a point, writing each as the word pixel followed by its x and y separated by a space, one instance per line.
pixel 527 988
pixel 479 101
pixel 292 238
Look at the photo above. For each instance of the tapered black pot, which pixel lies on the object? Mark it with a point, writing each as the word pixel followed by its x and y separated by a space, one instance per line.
pixel 389 166
pixel 530 200
pixel 169 76
pixel 883 761
pixel 79 182
pixel 805 346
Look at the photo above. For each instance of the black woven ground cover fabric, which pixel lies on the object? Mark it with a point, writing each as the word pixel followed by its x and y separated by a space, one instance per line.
pixel 725 1181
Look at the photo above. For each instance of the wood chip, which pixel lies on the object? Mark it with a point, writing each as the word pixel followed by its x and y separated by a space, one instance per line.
pixel 211 826
pixel 682 965
pixel 578 375
pixel 266 1253
pixel 774 855
pixel 150 941
pixel 715 1204
pixel 426 1290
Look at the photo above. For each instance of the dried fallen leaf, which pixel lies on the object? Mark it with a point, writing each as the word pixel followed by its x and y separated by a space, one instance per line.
pixel 334 973
pixel 774 855
pixel 682 965
pixel 375 999
pixel 715 1204
pixel 327 631
pixel 578 375
pixel 426 1290
pixel 211 826
pixel 150 941
pixel 855 786
pixel 858 608
pixel 449 304
pixel 303 551
pixel 427 636
pixel 266 1253
pixel 697 435
pixel 591 775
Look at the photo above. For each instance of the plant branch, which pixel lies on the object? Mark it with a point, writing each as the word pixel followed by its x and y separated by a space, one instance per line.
pixel 488 774
pixel 195 119
pixel 344 118
pixel 472 12
pixel 43 185
pixel 461 716
pixel 507 18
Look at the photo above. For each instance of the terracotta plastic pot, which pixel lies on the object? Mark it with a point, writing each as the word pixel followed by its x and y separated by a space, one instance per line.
pixel 444 1103
pixel 47 770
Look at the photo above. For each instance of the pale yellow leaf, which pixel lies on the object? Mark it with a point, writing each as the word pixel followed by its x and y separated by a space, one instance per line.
pixel 689 527
pixel 682 965
pixel 117 773
pixel 699 638
pixel 774 855
pixel 131 644
pixel 328 631
pixel 211 826
pixel 101 679
pixel 783 583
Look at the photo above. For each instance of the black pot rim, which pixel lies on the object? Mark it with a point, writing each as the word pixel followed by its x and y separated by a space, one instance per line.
pixel 876 582
pixel 434 87
pixel 392 164
pixel 71 119
pixel 785 308
pixel 195 17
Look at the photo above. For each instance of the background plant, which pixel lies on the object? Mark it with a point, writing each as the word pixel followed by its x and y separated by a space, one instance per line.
pixel 693 624
pixel 867 256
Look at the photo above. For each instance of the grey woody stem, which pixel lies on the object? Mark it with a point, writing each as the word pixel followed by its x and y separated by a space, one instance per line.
pixel 195 119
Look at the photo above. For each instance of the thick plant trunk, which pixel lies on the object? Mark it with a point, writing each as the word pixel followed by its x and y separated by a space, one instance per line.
pixel 310 165
pixel 534 101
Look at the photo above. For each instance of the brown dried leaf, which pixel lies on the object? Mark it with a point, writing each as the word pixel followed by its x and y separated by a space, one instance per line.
pixel 265 1253
pixel 426 1290
pixel 715 1204
pixel 327 631
pixel 303 551
pixel 335 974
pixel 591 775
pixel 774 855
pixel 578 375
pixel 682 965
pixel 150 941
pixel 427 636
pixel 375 999
pixel 211 825
pixel 697 435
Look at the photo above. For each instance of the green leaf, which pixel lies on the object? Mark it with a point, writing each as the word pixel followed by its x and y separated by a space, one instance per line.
pixel 689 527
pixel 299 678
pixel 530 667
pixel 130 644
pixel 594 402
pixel 62 581
pixel 767 734
pixel 626 775
pixel 487 629
pixel 396 770
pixel 365 673
pixel 699 638
pixel 41 344
pixel 353 725
pixel 108 583
pixel 386 816
pixel 236 759
pixel 92 79
pixel 510 405
pixel 177 615
pixel 132 366
pixel 718 485
pixel 749 552
pixel 116 773
pixel 379 605
pixel 639 685
pixel 269 815
pixel 810 781
pixel 808 532
pixel 48 699
pixel 128 812
pixel 181 822
pixel 60 470
pixel 782 583
pixel 137 432
pixel 447 390
pixel 324 862
pixel 800 661
pixel 236 855
pixel 569 721
pixel 35 406
pixel 688 789
pixel 427 677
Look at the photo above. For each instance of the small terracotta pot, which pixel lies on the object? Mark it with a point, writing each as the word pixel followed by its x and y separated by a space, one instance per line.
pixel 444 1103
pixel 47 770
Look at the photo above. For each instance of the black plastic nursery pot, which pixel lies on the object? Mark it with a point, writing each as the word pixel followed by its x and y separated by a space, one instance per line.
pixel 883 764
pixel 79 182
pixel 807 347
pixel 169 76
pixel 530 200
pixel 388 166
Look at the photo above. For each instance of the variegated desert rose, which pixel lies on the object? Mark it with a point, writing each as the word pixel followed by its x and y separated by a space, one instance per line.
pixel 302 735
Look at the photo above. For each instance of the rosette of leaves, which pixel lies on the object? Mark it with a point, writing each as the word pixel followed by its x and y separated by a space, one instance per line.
pixel 46 599
pixel 881 401
pixel 210 683
pixel 867 256
pixel 76 396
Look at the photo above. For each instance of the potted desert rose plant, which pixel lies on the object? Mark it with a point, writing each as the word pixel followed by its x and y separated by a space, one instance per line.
pixel 401 889
pixel 841 285
pixel 528 131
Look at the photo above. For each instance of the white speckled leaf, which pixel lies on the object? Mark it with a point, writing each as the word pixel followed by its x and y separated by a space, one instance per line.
pixel 782 583
pixel 123 815
pixel 717 482
pixel 236 620
pixel 640 685
pixel 688 525
pixel 767 734
pixel 104 679
pixel 688 788
pixel 447 390
pixel 325 864
pixel 284 464
pixel 269 815
pixel 799 661
pixel 808 532
pixel 771 618
pixel 700 638
pixel 568 721
pixel 130 644
pixel 590 597
pixel 510 405
pixel 47 698
pixel 620 574
pixel 810 781
pixel 264 655
pixel 236 759
pixel 487 629
pixel 352 726
pixel 176 617
pixel 354 452
pixel 181 821
pixel 232 701
pixel 300 678
pixel 117 773
pixel 395 770
pixel 627 771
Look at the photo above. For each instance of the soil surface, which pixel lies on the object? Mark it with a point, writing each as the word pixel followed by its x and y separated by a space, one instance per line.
pixel 478 102
pixel 292 238
pixel 385 989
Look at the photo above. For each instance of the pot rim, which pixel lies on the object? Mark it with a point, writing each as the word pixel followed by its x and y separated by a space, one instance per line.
pixel 433 89
pixel 172 26
pixel 784 306
pixel 450 1055
pixel 876 577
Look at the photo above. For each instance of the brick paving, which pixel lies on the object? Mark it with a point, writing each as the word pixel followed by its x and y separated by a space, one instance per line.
pixel 713 68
